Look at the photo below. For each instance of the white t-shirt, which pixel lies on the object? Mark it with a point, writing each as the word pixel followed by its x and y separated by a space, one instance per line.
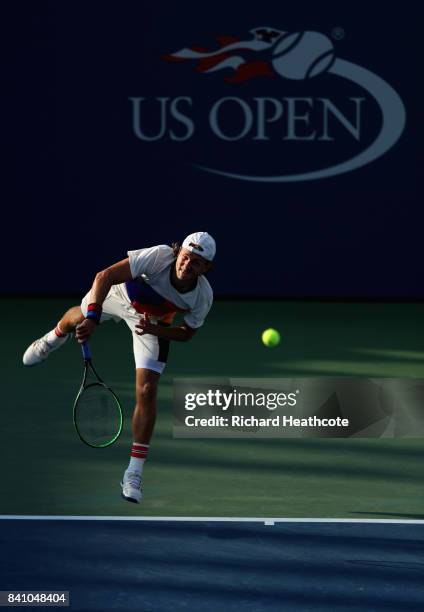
pixel 151 290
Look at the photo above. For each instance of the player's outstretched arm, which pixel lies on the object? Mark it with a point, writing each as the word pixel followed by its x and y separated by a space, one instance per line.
pixel 114 275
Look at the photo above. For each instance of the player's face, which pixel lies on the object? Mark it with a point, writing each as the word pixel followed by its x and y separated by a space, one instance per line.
pixel 189 265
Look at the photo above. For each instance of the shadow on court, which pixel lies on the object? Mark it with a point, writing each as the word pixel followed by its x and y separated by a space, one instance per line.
pixel 403 515
pixel 157 565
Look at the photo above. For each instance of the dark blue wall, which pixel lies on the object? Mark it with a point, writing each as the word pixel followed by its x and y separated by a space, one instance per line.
pixel 82 189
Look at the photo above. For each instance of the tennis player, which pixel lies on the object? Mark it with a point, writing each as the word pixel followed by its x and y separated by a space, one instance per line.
pixel 146 290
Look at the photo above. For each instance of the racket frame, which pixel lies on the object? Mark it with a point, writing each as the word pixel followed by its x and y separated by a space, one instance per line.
pixel 88 365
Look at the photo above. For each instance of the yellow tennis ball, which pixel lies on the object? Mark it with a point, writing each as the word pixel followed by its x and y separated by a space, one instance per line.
pixel 271 337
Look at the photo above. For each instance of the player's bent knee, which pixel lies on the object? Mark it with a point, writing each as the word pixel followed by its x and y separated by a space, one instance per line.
pixel 73 316
pixel 78 314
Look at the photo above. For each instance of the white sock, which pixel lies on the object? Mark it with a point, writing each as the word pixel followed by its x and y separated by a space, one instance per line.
pixel 56 337
pixel 138 457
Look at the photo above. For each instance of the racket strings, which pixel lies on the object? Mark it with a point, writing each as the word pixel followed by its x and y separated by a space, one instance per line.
pixel 98 416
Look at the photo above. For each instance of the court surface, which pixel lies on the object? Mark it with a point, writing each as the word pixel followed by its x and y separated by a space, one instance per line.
pixel 336 478
pixel 47 471
pixel 205 566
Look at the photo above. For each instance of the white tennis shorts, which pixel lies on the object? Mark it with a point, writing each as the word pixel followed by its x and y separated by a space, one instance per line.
pixel 150 352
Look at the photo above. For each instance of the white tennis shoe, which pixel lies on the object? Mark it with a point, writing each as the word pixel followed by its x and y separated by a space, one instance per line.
pixel 132 488
pixel 41 349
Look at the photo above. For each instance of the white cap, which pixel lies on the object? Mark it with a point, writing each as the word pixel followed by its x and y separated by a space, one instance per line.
pixel 202 244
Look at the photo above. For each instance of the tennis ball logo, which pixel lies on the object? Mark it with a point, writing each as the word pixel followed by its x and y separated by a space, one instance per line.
pixel 271 337
pixel 303 55
pixel 295 56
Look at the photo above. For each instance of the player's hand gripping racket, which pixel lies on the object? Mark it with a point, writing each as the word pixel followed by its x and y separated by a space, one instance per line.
pixel 97 412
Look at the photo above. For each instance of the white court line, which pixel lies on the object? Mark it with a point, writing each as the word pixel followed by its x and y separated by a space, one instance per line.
pixel 208 519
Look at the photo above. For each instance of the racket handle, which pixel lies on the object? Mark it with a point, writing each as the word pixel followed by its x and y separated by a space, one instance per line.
pixel 86 351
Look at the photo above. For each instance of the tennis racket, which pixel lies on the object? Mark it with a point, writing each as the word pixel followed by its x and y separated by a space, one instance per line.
pixel 97 411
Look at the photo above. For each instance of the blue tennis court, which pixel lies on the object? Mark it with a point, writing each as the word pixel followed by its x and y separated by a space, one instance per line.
pixel 115 563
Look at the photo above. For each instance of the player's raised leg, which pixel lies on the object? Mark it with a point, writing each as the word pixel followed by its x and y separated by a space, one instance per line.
pixel 143 423
pixel 39 350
